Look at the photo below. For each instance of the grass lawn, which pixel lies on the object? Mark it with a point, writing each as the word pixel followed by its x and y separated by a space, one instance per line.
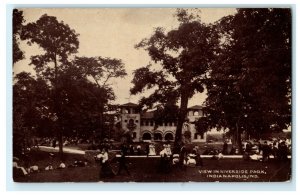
pixel 145 170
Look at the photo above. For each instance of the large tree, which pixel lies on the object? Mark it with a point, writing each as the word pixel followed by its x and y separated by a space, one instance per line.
pixel 18 20
pixel 79 98
pixel 185 55
pixel 33 107
pixel 101 71
pixel 250 84
pixel 30 97
pixel 58 42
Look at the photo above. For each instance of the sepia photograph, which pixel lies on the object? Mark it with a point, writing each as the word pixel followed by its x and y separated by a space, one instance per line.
pixel 152 94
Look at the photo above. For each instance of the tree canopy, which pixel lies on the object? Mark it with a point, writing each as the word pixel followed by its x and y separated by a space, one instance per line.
pixel 185 55
pixel 79 88
pixel 242 60
pixel 30 99
pixel 249 89
pixel 18 20
pixel 57 40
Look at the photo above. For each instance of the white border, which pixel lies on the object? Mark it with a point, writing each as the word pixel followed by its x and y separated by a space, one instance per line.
pixel 5 69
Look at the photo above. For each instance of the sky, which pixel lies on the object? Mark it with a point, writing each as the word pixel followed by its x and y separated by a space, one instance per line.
pixel 113 32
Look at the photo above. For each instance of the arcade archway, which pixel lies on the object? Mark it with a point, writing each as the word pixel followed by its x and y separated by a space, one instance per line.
pixel 146 136
pixel 169 136
pixel 157 136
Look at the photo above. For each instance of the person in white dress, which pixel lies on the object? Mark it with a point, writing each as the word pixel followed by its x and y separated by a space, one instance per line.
pixel 152 150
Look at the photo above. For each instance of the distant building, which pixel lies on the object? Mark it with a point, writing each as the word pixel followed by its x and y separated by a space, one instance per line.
pixel 143 128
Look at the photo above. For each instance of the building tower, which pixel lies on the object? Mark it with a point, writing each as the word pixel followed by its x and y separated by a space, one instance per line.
pixel 130 120
pixel 193 114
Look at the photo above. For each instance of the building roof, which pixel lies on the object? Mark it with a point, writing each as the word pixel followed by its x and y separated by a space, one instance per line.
pixel 129 104
pixel 196 107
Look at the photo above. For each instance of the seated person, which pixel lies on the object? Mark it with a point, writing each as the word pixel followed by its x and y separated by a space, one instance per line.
pixel 175 159
pixel 191 161
pixel 49 167
pixel 19 170
pixel 62 165
pixel 33 169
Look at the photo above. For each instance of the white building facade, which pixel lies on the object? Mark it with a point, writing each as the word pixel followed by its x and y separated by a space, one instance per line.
pixel 143 127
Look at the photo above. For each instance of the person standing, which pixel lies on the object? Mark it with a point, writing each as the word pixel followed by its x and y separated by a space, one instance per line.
pixel 283 151
pixel 265 151
pixel 182 156
pixel 122 160
pixel 165 159
pixel 138 148
pixel 152 150
pixel 131 149
pixel 106 170
pixel 196 152
pixel 147 150
pixel 122 164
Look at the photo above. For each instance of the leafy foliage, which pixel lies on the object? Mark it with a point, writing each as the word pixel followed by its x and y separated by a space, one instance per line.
pixel 101 69
pixel 185 55
pixel 30 97
pixel 57 39
pixel 250 84
pixel 203 125
pixel 166 113
pixel 79 89
pixel 18 21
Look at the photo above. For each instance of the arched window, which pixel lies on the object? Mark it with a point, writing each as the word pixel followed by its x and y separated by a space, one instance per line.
pixel 157 136
pixel 169 136
pixel 196 113
pixel 146 136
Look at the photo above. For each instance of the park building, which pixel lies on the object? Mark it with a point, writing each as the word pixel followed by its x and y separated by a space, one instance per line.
pixel 143 128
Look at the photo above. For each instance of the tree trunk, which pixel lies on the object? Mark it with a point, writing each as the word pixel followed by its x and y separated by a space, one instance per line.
pixel 58 128
pixel 101 119
pixel 238 138
pixel 182 115
pixel 60 141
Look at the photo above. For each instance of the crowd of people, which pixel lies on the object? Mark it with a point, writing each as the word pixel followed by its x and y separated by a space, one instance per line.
pixel 168 159
pixel 53 142
pixel 21 169
pixel 279 149
pixel 182 158
pixel 103 159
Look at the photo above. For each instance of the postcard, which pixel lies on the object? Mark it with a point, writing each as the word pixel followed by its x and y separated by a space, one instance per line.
pixel 152 94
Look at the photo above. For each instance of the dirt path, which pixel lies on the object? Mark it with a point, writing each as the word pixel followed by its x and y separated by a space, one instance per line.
pixel 65 149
